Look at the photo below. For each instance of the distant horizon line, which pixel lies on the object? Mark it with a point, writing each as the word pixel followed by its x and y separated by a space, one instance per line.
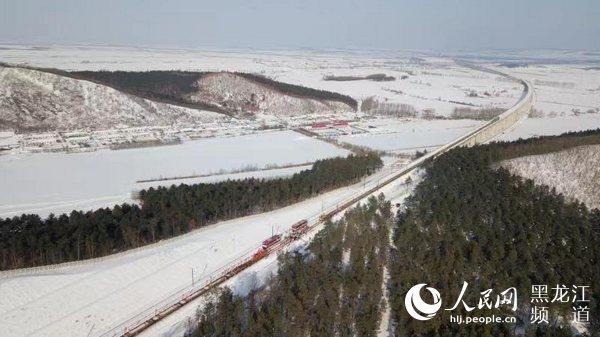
pixel 208 47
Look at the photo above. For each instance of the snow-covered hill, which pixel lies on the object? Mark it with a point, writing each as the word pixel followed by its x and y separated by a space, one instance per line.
pixel 574 172
pixel 238 93
pixel 32 100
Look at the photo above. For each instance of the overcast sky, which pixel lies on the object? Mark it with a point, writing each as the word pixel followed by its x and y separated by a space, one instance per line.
pixel 440 25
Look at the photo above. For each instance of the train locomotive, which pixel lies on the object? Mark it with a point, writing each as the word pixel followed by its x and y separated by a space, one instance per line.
pixel 298 229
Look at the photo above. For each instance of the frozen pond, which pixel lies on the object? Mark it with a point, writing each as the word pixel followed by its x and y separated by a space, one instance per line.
pixel 60 182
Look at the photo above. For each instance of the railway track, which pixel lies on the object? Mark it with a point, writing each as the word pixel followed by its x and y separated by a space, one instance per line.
pixel 136 325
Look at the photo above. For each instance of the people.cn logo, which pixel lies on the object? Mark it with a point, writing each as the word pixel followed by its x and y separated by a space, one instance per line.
pixel 415 305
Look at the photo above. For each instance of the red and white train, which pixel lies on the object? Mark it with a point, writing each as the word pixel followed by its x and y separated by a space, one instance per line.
pixel 266 246
pixel 298 229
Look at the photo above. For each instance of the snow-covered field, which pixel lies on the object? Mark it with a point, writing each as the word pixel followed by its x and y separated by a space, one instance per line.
pixel 533 127
pixel 409 135
pixel 59 182
pixel 94 296
pixel 574 172
pixel 567 99
pixel 432 83
pixel 562 89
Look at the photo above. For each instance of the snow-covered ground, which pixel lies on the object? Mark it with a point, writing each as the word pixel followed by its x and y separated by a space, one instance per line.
pixel 58 182
pixel 562 89
pixel 432 83
pixel 567 99
pixel 264 172
pixel 94 296
pixel 409 135
pixel 574 172
pixel 533 127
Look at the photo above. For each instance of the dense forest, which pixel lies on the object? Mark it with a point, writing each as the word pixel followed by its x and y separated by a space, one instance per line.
pixel 28 240
pixel 469 222
pixel 333 288
pixel 167 86
pixel 544 144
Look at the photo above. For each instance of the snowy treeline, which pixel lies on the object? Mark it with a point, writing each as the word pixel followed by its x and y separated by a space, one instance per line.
pixel 375 106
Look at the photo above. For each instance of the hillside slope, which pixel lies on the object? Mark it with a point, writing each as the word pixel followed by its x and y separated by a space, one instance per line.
pixel 32 100
pixel 36 99
pixel 238 93
pixel 574 172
